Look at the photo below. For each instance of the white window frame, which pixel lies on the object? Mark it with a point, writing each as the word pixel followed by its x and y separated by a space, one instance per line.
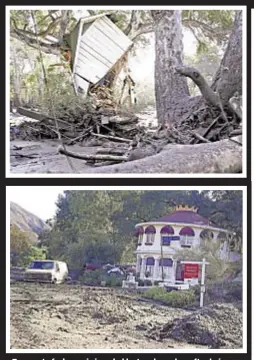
pixel 140 239
pixel 187 240
pixel 150 238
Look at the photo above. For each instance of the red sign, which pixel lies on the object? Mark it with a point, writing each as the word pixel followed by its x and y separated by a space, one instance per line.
pixel 191 271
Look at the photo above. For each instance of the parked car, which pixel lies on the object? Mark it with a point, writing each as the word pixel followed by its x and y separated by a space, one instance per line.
pixel 48 271
pixel 116 270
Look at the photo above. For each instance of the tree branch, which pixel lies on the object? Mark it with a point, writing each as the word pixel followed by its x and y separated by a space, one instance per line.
pixel 209 95
pixel 143 29
pixel 48 48
pixel 43 33
pixel 129 26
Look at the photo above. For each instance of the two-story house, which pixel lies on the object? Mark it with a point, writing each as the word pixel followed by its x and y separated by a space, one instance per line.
pixel 159 240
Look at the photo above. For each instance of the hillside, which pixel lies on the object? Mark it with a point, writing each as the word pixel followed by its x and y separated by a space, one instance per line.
pixel 26 221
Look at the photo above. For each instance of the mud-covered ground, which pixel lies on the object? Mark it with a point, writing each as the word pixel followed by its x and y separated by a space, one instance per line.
pixel 81 317
pixel 41 156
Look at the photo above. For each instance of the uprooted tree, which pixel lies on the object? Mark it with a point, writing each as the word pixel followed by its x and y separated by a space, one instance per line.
pixel 184 119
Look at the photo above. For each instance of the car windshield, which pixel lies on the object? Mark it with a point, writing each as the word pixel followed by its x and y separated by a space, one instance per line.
pixel 42 265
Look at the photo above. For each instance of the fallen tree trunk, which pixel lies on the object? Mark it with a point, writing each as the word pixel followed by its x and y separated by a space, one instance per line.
pixel 113 138
pixel 223 156
pixel 61 150
pixel 31 114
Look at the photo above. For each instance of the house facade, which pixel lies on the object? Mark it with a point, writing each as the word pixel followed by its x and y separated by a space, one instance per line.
pixel 160 240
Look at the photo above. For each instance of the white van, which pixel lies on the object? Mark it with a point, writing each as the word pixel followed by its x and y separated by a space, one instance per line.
pixel 49 271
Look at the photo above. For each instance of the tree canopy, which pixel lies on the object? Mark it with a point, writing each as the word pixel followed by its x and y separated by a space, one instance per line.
pixel 98 226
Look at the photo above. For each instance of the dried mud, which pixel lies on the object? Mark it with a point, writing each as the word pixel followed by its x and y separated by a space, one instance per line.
pixel 80 317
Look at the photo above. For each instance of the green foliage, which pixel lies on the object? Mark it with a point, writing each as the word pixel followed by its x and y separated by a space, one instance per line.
pixel 114 281
pixel 96 277
pixel 209 25
pixel 173 298
pixel 34 253
pixel 210 250
pixel 23 252
pixel 98 226
pixel 224 290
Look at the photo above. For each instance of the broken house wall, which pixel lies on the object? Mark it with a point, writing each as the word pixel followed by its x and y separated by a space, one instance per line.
pixel 96 47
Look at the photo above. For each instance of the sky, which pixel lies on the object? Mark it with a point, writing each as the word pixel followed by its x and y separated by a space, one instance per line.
pixel 39 200
pixel 142 65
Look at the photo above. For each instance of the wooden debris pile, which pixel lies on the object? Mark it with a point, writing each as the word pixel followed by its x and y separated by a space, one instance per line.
pixel 207 125
pixel 101 123
pixel 102 97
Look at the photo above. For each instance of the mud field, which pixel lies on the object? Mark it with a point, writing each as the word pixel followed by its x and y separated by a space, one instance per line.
pixel 80 317
pixel 41 156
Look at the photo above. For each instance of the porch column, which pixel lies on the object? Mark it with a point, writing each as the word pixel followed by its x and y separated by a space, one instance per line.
pixel 138 264
pixel 174 270
pixel 156 274
pixel 143 267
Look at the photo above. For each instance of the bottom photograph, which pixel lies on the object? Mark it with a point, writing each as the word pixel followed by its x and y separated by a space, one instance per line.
pixel 126 268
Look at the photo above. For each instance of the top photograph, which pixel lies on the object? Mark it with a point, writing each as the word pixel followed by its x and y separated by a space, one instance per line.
pixel 126 91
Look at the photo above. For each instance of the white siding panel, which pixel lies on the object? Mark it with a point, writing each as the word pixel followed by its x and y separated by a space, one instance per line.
pixel 100 47
pixel 88 72
pixel 109 35
pixel 92 53
pixel 96 32
pixel 104 46
pixel 99 67
pixel 80 83
pixel 117 34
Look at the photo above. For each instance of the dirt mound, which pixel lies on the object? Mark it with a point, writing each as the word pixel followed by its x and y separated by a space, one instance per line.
pixel 217 326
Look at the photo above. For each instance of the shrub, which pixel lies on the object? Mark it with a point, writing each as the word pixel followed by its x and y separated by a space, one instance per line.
pixel 114 280
pixel 97 277
pixel 156 283
pixel 94 277
pixel 173 298
pixel 196 290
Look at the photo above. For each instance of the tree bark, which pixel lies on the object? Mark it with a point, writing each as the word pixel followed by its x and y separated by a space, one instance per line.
pixel 231 60
pixel 173 100
pixel 223 156
pixel 170 88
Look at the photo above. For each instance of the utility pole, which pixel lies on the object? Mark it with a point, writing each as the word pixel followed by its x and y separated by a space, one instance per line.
pixel 162 269
pixel 202 288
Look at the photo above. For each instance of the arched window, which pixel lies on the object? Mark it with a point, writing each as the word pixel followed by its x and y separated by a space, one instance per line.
pixel 187 235
pixel 166 235
pixel 149 267
pixel 206 235
pixel 150 234
pixel 222 238
pixel 166 262
pixel 139 232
